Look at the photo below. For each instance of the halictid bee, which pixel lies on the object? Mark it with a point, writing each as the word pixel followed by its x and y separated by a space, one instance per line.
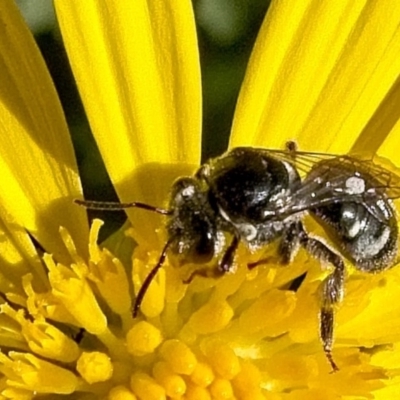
pixel 255 196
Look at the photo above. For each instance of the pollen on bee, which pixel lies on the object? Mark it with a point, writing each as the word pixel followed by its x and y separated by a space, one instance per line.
pixel 355 185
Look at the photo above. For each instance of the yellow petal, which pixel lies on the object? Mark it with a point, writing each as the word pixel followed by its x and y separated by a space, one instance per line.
pixel 44 339
pixel 143 338
pixel 29 372
pixel 317 74
pixel 94 366
pixel 388 120
pixel 212 317
pixel 174 384
pixel 380 324
pixel 390 391
pixel 222 358
pixel 179 356
pixel 390 147
pixel 202 375
pixel 37 162
pixel 146 387
pixel 76 295
pixel 381 135
pixel 137 69
pixel 18 257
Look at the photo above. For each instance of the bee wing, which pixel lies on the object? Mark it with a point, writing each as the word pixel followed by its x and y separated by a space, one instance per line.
pixel 330 179
pixel 379 176
pixel 385 173
pixel 322 187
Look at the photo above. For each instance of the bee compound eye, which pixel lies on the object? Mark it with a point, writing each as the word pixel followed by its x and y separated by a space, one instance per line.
pixel 204 248
pixel 196 247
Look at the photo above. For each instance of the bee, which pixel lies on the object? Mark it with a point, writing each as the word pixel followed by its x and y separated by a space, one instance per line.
pixel 255 196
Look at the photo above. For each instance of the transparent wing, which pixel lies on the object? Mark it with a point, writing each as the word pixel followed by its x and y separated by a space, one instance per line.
pixel 329 179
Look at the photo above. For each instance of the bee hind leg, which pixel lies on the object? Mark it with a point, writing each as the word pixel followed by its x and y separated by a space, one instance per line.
pixel 332 291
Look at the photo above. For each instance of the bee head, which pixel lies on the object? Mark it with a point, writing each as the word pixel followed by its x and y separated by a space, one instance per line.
pixel 192 225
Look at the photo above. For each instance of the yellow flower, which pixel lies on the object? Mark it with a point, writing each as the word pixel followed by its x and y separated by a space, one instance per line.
pixel 322 73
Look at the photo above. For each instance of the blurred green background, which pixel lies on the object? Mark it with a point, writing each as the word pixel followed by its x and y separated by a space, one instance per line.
pixel 226 32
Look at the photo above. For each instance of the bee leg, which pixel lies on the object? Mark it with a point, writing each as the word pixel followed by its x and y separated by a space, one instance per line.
pixel 224 266
pixel 290 242
pixel 332 291
pixel 205 273
pixel 146 283
pixel 288 247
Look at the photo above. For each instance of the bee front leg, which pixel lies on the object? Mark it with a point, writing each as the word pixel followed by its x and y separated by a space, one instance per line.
pixel 225 264
pixel 332 291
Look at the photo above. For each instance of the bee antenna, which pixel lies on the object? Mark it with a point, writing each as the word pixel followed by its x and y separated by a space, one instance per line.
pixel 226 262
pixel 114 206
pixel 149 278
